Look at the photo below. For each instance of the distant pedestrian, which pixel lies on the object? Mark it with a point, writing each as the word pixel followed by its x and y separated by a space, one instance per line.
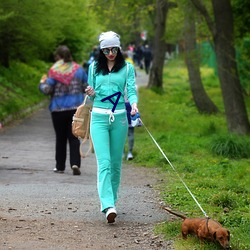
pixel 147 54
pixel 138 56
pixel 93 55
pixel 65 84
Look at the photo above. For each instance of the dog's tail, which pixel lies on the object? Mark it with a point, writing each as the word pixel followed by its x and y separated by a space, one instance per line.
pixel 175 213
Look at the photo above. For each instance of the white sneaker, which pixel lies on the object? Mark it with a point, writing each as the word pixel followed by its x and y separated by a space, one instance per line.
pixel 111 214
pixel 130 156
pixel 58 171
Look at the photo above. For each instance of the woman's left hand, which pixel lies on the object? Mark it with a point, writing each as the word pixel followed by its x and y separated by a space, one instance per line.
pixel 134 109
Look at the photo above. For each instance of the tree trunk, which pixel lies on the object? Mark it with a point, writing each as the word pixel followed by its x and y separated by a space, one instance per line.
pixel 201 99
pixel 223 38
pixel 159 47
pixel 235 109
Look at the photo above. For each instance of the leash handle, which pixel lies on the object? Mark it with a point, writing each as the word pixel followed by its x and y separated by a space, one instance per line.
pixel 174 169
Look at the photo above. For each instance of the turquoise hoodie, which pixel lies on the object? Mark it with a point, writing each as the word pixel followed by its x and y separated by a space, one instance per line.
pixel 107 85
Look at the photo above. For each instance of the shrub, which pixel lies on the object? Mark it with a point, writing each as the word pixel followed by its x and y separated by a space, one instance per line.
pixel 231 146
pixel 223 200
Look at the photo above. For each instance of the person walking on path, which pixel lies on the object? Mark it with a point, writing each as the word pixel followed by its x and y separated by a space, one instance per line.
pixel 131 129
pixel 147 54
pixel 108 76
pixel 65 84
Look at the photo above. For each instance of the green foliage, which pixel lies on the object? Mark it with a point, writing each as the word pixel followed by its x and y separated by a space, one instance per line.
pixel 241 17
pixel 19 87
pixel 175 28
pixel 243 59
pixel 224 200
pixel 231 146
pixel 219 183
pixel 128 18
pixel 29 33
pixel 175 25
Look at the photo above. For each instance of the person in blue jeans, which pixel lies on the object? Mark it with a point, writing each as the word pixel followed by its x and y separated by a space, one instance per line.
pixel 108 77
pixel 65 83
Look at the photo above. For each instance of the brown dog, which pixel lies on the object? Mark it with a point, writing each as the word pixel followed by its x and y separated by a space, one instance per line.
pixel 204 229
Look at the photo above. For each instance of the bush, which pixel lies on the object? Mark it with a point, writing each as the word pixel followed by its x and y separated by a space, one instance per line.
pixel 231 146
pixel 224 200
pixel 19 88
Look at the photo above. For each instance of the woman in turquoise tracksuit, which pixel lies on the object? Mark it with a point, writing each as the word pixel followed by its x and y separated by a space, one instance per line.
pixel 108 77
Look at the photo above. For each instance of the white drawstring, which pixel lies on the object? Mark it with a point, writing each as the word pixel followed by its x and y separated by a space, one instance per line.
pixel 111 117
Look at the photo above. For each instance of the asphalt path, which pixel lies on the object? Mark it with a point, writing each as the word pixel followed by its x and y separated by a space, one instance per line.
pixel 31 190
pixel 26 164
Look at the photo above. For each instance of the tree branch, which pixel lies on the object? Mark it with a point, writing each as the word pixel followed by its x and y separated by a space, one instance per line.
pixel 202 9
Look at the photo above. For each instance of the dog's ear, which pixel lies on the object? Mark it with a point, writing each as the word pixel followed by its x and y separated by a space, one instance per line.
pixel 228 237
pixel 214 235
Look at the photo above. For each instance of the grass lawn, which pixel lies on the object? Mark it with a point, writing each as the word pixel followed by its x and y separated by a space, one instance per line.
pixel 214 164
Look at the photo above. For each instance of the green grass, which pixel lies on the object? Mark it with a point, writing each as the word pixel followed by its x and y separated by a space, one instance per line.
pixel 19 88
pixel 214 164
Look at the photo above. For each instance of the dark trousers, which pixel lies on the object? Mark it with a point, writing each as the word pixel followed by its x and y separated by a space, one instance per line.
pixel 62 122
pixel 147 65
pixel 130 129
pixel 131 139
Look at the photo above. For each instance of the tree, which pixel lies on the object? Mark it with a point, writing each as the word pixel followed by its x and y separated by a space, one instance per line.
pixel 159 46
pixel 126 17
pixel 201 99
pixel 223 38
pixel 28 33
pixel 242 33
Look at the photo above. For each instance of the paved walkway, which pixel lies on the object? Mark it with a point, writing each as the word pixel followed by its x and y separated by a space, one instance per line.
pixel 141 78
pixel 26 163
pixel 27 158
pixel 29 189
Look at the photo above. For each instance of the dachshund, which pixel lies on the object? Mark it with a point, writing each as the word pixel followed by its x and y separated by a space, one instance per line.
pixel 204 229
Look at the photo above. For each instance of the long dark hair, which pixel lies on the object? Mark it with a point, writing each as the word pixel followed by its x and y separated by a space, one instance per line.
pixel 102 67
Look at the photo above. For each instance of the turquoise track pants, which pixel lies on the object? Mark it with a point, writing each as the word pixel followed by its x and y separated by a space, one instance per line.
pixel 108 140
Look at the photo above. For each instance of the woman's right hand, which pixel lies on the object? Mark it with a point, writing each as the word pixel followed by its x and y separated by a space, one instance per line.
pixel 90 91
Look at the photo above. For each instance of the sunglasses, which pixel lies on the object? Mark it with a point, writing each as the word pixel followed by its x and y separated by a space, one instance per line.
pixel 106 51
